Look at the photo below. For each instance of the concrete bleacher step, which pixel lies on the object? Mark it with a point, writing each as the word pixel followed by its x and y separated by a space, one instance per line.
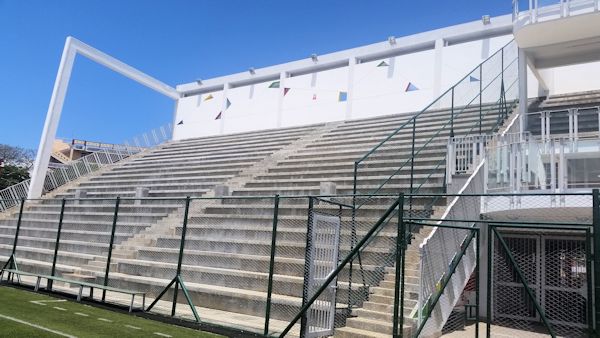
pixel 227 250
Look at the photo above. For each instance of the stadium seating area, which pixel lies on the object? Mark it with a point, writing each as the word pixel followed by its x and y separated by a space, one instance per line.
pixel 228 242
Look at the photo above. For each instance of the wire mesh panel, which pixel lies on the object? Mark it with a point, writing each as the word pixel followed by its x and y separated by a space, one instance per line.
pixel 540 283
pixel 322 257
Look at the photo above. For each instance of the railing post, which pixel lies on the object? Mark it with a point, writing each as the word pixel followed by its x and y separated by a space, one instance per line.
pixel 14 249
pixel 452 114
pixel 490 253
pixel 181 249
pixel 110 247
pixel 412 163
pixel 272 263
pixel 58 232
pixel 596 229
pixel 398 323
pixel 480 96
pixel 307 260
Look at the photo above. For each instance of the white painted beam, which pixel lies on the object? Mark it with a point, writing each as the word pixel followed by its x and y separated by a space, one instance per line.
pixel 61 84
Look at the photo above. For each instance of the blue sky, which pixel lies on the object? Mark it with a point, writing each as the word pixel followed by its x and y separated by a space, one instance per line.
pixel 177 42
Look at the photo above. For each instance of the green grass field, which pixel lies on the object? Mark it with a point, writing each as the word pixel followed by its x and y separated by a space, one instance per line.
pixel 28 314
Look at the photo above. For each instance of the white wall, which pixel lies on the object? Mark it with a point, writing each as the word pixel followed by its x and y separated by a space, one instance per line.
pixel 574 78
pixel 314 97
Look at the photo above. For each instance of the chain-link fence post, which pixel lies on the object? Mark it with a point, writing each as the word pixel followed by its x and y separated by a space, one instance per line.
pixel 110 245
pixel 590 286
pixel 307 260
pixel 12 262
pixel 399 278
pixel 57 243
pixel 272 263
pixel 180 259
pixel 488 311
pixel 596 229
pixel 477 251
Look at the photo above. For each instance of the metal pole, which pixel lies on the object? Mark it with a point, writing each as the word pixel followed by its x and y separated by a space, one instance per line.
pixel 596 229
pixel 181 248
pixel 307 260
pixel 588 275
pixel 477 252
pixel 110 247
pixel 272 263
pixel 452 114
pixel 399 253
pixel 58 231
pixel 480 96
pixel 489 282
pixel 14 249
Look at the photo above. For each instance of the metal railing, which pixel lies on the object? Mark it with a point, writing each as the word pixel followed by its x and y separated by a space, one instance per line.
pixel 64 174
pixel 484 96
pixel 152 138
pixel 199 259
pixel 577 122
pixel 533 11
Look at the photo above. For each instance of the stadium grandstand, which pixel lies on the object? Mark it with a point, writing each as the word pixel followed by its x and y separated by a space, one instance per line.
pixel 438 184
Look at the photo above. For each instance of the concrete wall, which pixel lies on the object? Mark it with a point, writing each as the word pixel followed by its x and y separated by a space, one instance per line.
pixel 574 78
pixel 314 97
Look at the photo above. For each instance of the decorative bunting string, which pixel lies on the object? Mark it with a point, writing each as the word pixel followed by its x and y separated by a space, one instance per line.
pixel 274 84
pixel 219 116
pixel 342 97
pixel 180 123
pixel 285 91
pixel 411 87
pixel 209 97
pixel 473 79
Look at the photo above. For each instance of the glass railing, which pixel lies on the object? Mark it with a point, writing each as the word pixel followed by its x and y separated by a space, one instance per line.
pixel 533 11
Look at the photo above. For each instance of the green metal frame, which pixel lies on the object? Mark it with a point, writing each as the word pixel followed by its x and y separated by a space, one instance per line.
pixel 11 263
pixel 271 264
pixel 56 245
pixel 178 280
pixel 110 245
pixel 431 303
pixel 521 277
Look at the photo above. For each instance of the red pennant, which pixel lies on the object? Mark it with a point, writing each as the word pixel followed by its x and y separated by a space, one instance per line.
pixel 218 116
pixel 285 91
pixel 314 96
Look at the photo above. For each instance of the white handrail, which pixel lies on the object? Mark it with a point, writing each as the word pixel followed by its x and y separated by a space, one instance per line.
pixel 11 196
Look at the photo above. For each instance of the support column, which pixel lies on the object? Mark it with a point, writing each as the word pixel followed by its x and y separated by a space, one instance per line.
pixel 57 100
pixel 226 87
pixel 522 90
pixel 350 93
pixel 437 68
pixel 282 77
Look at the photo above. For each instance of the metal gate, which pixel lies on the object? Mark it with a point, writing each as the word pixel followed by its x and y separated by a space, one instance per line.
pixel 554 267
pixel 322 259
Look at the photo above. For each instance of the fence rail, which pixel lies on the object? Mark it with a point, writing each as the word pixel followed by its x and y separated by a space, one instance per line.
pixel 200 258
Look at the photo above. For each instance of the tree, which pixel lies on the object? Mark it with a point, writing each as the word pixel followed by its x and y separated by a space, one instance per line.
pixel 11 175
pixel 16 156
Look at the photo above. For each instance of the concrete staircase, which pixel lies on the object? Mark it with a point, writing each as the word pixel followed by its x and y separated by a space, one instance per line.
pixel 228 242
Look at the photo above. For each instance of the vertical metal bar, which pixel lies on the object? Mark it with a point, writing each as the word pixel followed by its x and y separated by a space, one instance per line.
pixel 477 252
pixel 412 163
pixel 14 249
pixel 488 320
pixel 272 263
pixel 480 95
pixel 588 275
pixel 596 229
pixel 307 260
pixel 110 247
pixel 59 230
pixel 181 248
pixel 398 304
pixel 452 114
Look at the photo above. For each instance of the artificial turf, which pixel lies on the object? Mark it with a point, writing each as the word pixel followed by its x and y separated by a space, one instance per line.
pixel 75 319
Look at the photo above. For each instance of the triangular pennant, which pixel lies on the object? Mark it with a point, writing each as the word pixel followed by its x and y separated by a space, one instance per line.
pixel 343 96
pixel 219 116
pixel 285 91
pixel 473 78
pixel 314 96
pixel 274 84
pixel 227 104
pixel 382 64
pixel 209 97
pixel 180 123
pixel 411 87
